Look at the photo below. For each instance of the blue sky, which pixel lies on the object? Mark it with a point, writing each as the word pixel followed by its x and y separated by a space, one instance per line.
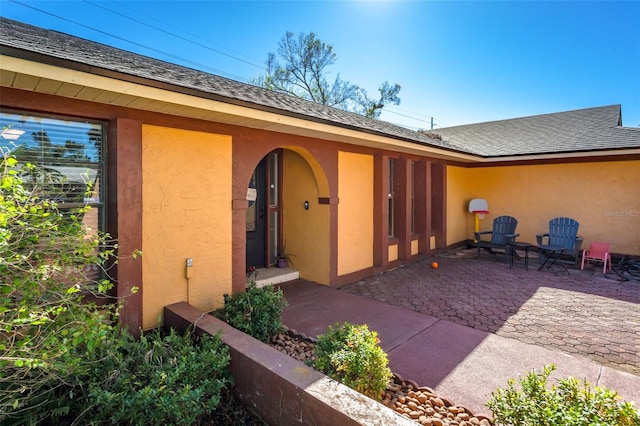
pixel 458 62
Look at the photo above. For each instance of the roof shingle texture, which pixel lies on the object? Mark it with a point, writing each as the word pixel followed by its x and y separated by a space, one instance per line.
pixel 591 129
pixel 63 46
pixel 580 130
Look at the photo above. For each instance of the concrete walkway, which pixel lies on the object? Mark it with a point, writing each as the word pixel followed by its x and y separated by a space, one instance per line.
pixel 469 326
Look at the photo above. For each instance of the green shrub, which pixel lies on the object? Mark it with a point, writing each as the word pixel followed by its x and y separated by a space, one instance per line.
pixel 256 311
pixel 170 379
pixel 352 355
pixel 569 403
pixel 47 329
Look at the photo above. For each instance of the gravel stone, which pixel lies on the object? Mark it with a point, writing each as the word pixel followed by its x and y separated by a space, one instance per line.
pixel 418 403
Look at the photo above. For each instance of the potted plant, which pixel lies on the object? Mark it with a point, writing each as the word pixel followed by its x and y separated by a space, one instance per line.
pixel 283 259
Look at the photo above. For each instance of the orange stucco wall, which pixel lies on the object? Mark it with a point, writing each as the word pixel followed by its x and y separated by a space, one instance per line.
pixel 355 212
pixel 392 252
pixel 459 192
pixel 604 197
pixel 306 232
pixel 186 214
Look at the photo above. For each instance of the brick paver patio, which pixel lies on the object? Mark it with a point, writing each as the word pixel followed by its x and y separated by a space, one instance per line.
pixel 581 313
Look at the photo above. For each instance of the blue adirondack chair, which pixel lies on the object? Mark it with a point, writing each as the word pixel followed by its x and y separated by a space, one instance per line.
pixel 503 232
pixel 562 239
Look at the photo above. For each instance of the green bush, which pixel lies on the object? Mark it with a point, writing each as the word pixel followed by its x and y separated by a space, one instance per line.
pixel 352 355
pixel 46 328
pixel 158 379
pixel 569 403
pixel 62 359
pixel 256 311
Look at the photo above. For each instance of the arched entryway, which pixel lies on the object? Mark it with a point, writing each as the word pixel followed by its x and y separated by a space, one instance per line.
pixel 286 214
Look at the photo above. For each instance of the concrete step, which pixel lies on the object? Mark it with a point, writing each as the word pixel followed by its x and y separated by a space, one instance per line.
pixel 270 276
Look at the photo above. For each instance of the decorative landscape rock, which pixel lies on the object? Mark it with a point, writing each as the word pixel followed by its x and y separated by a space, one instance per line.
pixel 418 403
pixel 422 405
pixel 298 347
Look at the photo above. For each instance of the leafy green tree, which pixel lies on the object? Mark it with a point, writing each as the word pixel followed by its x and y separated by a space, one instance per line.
pixel 300 68
pixel 46 326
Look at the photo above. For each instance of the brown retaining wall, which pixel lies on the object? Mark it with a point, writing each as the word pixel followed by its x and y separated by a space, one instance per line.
pixel 278 388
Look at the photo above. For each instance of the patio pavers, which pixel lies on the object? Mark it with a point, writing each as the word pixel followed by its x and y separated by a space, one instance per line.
pixel 492 331
pixel 581 313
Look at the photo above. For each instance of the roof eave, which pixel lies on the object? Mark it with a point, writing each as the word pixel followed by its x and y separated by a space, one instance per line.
pixel 367 137
pixel 596 154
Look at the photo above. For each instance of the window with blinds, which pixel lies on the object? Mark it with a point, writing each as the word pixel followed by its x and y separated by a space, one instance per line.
pixel 392 171
pixel 69 159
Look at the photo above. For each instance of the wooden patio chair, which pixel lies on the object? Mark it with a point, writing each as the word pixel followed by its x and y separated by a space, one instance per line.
pixel 561 240
pixel 503 232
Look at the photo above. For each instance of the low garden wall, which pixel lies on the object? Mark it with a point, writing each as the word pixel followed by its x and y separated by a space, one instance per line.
pixel 279 389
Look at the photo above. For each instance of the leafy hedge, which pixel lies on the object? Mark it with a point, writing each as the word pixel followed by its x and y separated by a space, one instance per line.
pixel 568 403
pixel 157 379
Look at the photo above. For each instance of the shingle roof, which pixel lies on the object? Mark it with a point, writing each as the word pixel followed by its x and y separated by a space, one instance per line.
pixel 63 46
pixel 583 130
pixel 580 130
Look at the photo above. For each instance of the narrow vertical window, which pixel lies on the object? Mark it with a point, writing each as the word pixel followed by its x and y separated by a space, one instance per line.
pixel 275 205
pixel 273 180
pixel 413 193
pixel 391 196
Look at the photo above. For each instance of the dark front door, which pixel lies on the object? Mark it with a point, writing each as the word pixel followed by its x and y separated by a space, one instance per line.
pixel 257 218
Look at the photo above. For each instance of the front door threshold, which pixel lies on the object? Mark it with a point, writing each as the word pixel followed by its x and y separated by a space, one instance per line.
pixel 270 276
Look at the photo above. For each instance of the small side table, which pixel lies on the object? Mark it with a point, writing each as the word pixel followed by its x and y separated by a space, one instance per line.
pixel 551 255
pixel 522 246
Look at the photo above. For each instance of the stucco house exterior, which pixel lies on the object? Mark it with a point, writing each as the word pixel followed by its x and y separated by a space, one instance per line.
pixel 581 164
pixel 190 166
